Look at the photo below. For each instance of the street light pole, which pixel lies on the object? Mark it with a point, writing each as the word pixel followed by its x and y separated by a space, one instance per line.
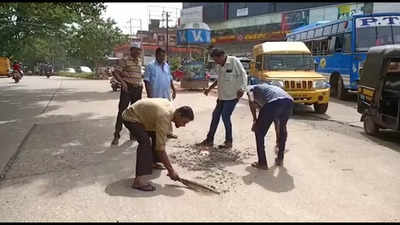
pixel 167 36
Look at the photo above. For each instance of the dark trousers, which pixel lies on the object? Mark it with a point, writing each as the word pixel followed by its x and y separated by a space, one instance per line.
pixel 146 154
pixel 223 108
pixel 280 111
pixel 125 99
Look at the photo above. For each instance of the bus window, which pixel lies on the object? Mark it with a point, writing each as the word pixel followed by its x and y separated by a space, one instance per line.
pixel 339 43
pixel 309 45
pixel 331 44
pixel 384 36
pixel 347 42
pixel 259 62
pixel 396 34
pixel 324 46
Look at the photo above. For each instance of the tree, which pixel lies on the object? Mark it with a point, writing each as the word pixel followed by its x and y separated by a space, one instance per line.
pixel 60 33
pixel 95 39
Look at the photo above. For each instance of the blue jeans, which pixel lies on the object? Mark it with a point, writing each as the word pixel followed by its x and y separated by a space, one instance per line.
pixel 279 110
pixel 224 108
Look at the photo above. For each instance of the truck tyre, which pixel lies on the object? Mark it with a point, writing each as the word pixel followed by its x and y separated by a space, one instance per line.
pixel 370 127
pixel 321 108
pixel 341 93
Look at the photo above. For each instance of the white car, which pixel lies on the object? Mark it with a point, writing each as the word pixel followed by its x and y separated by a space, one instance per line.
pixel 68 70
pixel 85 69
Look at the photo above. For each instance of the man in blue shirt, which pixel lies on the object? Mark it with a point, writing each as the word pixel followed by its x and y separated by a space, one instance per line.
pixel 274 104
pixel 158 80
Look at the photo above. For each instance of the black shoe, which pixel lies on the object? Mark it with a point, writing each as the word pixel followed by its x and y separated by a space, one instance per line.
pixel 226 145
pixel 204 143
pixel 278 162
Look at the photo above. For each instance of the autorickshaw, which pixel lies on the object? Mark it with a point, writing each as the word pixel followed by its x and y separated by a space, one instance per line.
pixel 379 89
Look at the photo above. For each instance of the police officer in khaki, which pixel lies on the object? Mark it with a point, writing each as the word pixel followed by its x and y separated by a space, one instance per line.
pixel 129 73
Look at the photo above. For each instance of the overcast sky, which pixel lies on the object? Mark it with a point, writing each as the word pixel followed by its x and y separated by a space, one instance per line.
pixel 139 14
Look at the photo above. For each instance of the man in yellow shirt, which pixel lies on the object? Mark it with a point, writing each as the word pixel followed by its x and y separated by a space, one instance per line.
pixel 153 115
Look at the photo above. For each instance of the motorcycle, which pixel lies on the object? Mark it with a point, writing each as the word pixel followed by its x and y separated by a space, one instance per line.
pixel 16 76
pixel 115 84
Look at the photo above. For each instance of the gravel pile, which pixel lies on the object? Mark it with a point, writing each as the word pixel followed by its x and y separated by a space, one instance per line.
pixel 211 162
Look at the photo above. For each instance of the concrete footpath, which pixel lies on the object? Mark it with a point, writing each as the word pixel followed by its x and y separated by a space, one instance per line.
pixel 65 169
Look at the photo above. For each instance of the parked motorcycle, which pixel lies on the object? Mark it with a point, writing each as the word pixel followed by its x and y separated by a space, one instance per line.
pixel 115 84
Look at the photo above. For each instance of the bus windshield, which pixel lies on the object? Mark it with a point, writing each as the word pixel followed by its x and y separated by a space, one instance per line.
pixel 377 30
pixel 288 62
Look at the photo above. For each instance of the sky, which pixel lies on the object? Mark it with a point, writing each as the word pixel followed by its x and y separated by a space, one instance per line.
pixel 134 16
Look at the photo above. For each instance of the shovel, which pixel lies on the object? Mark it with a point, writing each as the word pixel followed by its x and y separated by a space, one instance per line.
pixel 196 186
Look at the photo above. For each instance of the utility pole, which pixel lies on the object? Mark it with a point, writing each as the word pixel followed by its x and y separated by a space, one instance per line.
pixel 130 26
pixel 167 36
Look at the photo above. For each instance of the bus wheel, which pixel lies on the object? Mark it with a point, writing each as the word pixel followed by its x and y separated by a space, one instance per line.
pixel 321 108
pixel 369 126
pixel 340 92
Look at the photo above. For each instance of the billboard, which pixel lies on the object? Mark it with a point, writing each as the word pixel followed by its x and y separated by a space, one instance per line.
pixel 292 20
pixel 193 36
pixel 192 15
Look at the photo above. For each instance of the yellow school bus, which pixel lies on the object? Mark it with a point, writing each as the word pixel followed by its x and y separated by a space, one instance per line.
pixel 290 66
pixel 4 66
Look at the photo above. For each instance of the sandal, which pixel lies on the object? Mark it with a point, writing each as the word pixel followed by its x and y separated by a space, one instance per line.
pixel 146 187
pixel 158 166
pixel 172 136
pixel 258 166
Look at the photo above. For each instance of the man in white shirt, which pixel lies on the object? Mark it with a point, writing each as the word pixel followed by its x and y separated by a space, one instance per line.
pixel 232 82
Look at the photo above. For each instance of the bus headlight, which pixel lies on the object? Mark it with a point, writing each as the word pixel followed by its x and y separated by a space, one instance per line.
pixel 277 83
pixel 320 84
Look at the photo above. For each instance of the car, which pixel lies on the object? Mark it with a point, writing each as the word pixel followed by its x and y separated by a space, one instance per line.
pixel 289 65
pixel 84 69
pixel 68 70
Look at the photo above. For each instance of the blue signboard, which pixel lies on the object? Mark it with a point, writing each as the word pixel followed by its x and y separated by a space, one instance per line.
pixel 193 36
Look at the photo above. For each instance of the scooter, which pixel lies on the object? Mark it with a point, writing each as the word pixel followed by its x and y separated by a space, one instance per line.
pixel 16 76
pixel 115 84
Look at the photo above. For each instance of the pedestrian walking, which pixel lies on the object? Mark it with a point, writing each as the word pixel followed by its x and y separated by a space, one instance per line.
pixel 158 80
pixel 232 82
pixel 129 73
pixel 153 115
pixel 274 104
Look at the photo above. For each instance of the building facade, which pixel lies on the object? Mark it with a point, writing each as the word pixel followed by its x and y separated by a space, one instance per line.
pixel 154 38
pixel 238 26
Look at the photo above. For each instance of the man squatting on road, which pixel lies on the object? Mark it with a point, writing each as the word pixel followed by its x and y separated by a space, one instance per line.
pixel 274 104
pixel 232 82
pixel 152 117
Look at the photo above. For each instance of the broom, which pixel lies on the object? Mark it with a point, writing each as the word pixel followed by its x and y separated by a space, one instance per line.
pixel 196 186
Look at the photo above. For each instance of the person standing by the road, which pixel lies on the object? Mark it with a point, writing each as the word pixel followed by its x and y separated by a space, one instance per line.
pixel 129 73
pixel 274 104
pixel 232 82
pixel 158 80
pixel 153 115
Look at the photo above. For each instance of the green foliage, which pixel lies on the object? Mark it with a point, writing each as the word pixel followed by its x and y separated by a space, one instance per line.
pixel 65 34
pixel 174 63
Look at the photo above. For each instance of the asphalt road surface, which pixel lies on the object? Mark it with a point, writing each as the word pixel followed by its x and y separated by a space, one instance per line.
pixel 56 162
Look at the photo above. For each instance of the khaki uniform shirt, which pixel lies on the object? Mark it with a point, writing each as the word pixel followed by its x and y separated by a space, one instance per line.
pixel 133 68
pixel 231 78
pixel 155 114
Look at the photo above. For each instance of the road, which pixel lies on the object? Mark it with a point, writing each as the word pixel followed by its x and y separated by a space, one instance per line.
pixel 57 164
